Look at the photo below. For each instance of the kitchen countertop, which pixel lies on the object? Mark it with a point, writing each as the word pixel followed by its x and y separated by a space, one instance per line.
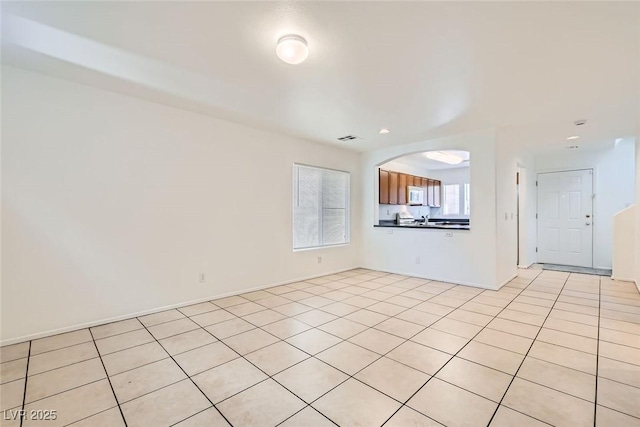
pixel 392 223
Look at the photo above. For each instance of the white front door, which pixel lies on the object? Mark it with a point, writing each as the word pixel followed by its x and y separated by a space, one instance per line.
pixel 565 218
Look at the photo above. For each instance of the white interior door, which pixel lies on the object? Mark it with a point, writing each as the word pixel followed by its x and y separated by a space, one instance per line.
pixel 565 218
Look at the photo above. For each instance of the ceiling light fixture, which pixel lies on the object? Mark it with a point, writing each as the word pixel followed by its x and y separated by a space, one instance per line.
pixel 572 137
pixel 292 49
pixel 384 131
pixel 444 157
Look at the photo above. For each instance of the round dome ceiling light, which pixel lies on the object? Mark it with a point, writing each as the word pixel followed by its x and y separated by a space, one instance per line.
pixel 384 131
pixel 292 49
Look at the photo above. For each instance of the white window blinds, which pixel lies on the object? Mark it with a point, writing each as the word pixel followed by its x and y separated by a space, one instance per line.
pixel 320 207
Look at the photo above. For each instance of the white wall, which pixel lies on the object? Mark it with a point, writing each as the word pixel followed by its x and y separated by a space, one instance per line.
pixel 112 206
pixel 638 206
pixel 458 176
pixel 527 215
pixel 624 244
pixel 469 256
pixel 509 158
pixel 614 175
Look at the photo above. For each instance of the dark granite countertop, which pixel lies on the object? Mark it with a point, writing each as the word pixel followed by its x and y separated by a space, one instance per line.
pixel 432 225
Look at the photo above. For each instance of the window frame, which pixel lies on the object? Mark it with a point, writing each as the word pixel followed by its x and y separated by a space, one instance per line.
pixel 347 208
pixel 466 197
pixel 444 204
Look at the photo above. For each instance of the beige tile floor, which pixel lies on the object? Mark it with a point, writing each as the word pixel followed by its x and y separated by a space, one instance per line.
pixel 359 348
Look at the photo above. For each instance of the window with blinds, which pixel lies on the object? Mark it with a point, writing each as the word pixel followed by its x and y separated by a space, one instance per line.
pixel 320 207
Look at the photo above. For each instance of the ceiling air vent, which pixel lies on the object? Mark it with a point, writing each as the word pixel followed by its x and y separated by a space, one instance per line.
pixel 348 138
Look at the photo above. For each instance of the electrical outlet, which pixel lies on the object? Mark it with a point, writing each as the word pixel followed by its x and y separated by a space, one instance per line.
pixel 388 212
pixel 319 260
pixel 202 277
pixel 417 260
pixel 448 234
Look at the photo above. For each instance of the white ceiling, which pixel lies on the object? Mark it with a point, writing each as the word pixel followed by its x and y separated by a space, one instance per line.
pixel 422 69
pixel 419 160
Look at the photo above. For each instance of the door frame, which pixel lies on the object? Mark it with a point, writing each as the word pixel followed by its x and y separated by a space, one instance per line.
pixel 594 204
pixel 523 210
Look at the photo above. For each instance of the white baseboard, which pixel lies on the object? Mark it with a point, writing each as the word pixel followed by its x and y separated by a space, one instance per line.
pixel 157 309
pixel 623 279
pixel 456 282
pixel 525 266
pixel 513 276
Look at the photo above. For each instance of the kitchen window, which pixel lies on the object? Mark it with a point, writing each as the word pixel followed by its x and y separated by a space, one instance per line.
pixel 320 207
pixel 451 199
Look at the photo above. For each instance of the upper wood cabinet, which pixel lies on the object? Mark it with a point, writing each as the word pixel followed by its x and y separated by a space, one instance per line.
pixel 424 183
pixel 393 188
pixel 383 183
pixel 402 189
pixel 436 193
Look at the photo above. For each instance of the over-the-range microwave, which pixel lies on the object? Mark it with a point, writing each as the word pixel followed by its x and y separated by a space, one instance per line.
pixel 415 195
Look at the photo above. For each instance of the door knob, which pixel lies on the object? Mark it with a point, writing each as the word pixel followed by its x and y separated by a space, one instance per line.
pixel 588 223
pixel 588 216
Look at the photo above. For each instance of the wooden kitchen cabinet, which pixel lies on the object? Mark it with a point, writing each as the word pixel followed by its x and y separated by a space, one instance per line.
pixel 437 193
pixel 383 184
pixel 430 192
pixel 424 183
pixel 402 188
pixel 393 188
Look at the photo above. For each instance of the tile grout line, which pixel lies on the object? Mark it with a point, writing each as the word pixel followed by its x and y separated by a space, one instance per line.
pixel 313 356
pixel 317 326
pixel 405 290
pixel 595 397
pixel 441 317
pixel 311 327
pixel 64 347
pixel 424 328
pixel 188 376
pixel 454 355
pixel 26 379
pixel 201 327
pixel 260 369
pixel 352 376
pixel 528 351
pixel 109 380
pixel 359 308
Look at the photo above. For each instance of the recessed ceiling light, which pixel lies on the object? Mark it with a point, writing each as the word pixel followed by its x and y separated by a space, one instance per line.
pixel 444 157
pixel 292 49
pixel 572 137
pixel 384 131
